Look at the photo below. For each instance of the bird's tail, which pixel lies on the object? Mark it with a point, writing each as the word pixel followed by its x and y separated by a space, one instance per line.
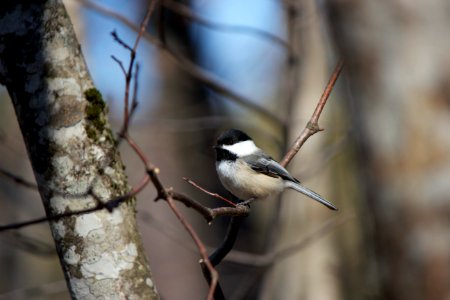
pixel 311 194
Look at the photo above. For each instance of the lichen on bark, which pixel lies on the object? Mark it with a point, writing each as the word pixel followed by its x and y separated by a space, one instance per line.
pixel 95 113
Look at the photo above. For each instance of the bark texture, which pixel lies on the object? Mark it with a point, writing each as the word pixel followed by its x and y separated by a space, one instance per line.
pixel 398 59
pixel 72 150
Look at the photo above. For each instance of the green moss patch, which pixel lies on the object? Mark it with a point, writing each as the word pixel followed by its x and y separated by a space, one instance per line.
pixel 95 113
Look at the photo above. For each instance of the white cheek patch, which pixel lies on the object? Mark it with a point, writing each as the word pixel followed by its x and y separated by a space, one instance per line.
pixel 242 148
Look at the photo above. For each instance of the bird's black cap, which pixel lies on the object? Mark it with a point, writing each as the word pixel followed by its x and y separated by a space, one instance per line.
pixel 231 137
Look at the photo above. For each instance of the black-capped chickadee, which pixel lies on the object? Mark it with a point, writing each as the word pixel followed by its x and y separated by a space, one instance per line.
pixel 250 174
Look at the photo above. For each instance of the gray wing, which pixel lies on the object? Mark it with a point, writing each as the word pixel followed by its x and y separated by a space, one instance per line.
pixel 264 164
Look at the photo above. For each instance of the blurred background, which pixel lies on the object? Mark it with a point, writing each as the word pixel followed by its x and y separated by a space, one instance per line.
pixel 261 66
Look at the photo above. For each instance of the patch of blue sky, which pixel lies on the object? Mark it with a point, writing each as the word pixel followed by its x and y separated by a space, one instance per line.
pixel 250 64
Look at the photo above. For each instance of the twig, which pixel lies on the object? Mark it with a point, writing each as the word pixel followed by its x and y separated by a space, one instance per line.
pixel 144 23
pixel 208 213
pixel 326 94
pixel 129 72
pixel 238 211
pixel 120 41
pixel 119 62
pixel 208 192
pixel 312 126
pixel 191 203
pixel 167 230
pixel 109 205
pixel 134 101
pixel 139 152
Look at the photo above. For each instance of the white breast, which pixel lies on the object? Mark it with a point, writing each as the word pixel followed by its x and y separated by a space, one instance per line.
pixel 243 182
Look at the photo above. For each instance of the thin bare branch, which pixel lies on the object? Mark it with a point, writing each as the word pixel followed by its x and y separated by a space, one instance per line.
pixel 312 126
pixel 134 101
pixel 150 9
pixel 138 151
pixel 209 214
pixel 191 182
pixel 119 62
pixel 191 203
pixel 326 93
pixel 129 73
pixel 120 41
pixel 110 205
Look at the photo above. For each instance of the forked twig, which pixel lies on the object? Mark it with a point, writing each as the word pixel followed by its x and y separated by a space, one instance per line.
pixel 312 127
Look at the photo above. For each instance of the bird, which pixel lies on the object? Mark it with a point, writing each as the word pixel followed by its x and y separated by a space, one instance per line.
pixel 248 173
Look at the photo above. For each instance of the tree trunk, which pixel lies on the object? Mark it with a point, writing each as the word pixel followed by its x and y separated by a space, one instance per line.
pixel 72 151
pixel 398 59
